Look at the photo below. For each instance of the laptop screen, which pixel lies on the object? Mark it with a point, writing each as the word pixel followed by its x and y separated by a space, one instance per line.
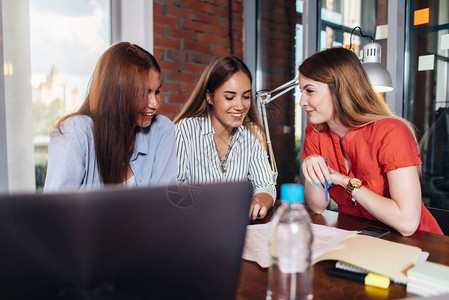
pixel 175 242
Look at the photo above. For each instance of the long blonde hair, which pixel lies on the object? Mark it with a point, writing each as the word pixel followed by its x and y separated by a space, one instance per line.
pixel 356 104
pixel 212 78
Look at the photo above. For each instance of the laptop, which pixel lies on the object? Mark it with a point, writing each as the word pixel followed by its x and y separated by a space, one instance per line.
pixel 175 242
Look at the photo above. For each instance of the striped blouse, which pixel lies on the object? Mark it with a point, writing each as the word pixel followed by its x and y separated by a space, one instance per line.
pixel 198 160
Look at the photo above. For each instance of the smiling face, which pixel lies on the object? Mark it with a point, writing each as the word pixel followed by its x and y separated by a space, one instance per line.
pixel 145 116
pixel 230 102
pixel 316 99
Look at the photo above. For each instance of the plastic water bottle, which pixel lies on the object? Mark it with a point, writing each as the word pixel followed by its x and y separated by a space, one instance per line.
pixel 290 273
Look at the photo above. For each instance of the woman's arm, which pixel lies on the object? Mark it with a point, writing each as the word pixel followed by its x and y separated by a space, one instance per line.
pixel 66 168
pixel 182 156
pixel 261 177
pixel 403 210
pixel 316 173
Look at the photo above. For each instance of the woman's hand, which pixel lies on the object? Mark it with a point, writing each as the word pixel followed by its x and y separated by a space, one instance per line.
pixel 316 171
pixel 260 204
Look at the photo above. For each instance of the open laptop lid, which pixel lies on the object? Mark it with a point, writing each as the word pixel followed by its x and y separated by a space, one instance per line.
pixel 154 243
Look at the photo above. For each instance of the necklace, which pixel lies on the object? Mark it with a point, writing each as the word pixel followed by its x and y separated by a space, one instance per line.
pixel 223 160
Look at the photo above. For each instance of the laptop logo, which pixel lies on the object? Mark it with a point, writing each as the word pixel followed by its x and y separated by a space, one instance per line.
pixel 184 195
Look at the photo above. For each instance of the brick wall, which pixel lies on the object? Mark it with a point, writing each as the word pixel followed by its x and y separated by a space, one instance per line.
pixel 188 34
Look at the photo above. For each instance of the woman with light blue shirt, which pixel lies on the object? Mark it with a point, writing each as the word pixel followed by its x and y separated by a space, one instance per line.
pixel 220 137
pixel 115 138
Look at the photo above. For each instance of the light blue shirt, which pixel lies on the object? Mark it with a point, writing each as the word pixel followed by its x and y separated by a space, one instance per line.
pixel 198 160
pixel 72 162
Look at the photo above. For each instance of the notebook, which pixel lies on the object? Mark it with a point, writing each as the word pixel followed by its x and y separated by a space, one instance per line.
pixel 153 243
pixel 375 255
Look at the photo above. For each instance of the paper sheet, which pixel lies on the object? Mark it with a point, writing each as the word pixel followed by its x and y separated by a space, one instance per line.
pixel 381 32
pixel 257 249
pixel 426 62
pixel 257 244
pixel 421 16
pixel 444 45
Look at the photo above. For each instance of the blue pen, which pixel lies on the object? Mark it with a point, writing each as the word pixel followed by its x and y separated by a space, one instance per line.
pixel 326 185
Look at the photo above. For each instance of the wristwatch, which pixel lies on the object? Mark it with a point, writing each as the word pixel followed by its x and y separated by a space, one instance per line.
pixel 353 183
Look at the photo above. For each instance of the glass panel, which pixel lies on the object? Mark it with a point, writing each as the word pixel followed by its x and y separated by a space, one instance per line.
pixel 428 98
pixel 346 13
pixel 280 43
pixel 339 17
pixel 66 39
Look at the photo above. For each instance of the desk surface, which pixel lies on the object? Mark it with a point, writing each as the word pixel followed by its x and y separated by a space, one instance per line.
pixel 253 279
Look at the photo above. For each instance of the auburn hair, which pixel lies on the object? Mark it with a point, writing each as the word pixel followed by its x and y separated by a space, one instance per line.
pixel 355 102
pixel 118 91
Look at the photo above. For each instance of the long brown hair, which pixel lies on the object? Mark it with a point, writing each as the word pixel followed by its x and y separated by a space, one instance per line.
pixel 212 78
pixel 356 104
pixel 117 93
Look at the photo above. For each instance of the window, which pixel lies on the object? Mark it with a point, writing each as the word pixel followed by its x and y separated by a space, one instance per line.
pixel 84 29
pixel 427 97
pixel 48 61
pixel 66 40
pixel 338 18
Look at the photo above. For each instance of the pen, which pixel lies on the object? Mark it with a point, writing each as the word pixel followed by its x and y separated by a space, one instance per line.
pixel 326 185
pixel 368 279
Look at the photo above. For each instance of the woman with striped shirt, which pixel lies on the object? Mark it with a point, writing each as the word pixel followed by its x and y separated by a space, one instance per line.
pixel 219 135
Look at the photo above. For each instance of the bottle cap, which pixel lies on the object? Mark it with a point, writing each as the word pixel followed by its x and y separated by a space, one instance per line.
pixel 292 192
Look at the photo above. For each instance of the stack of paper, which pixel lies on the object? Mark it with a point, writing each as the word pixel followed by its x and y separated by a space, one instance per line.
pixel 428 279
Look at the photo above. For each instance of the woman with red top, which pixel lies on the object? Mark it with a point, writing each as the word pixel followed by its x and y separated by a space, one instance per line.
pixel 368 156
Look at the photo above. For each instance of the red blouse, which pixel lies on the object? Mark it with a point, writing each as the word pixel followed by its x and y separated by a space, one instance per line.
pixel 374 150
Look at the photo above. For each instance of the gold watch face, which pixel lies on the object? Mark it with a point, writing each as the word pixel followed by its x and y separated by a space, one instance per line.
pixel 356 183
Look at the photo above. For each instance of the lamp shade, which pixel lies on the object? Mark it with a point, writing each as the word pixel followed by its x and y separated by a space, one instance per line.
pixel 378 75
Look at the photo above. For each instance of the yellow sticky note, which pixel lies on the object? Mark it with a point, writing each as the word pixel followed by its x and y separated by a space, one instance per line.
pixel 421 16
